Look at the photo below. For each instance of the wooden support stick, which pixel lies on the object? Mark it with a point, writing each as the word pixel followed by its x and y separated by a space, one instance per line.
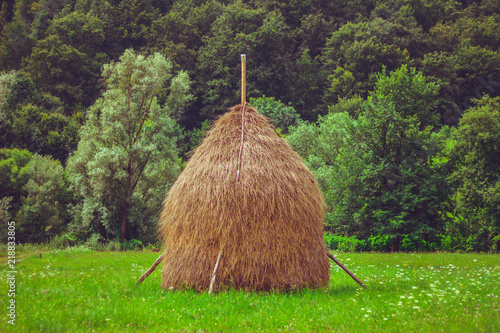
pixel 346 270
pixel 151 269
pixel 243 78
pixel 242 139
pixel 214 274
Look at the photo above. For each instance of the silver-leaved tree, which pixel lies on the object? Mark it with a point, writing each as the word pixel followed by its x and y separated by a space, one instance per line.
pixel 127 156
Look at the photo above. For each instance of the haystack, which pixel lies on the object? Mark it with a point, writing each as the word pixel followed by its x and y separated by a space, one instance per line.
pixel 248 204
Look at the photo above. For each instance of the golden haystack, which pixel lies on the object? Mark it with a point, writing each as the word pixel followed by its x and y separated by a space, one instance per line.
pixel 266 223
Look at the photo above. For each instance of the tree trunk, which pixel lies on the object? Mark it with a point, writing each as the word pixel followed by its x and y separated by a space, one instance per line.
pixel 124 221
pixel 395 245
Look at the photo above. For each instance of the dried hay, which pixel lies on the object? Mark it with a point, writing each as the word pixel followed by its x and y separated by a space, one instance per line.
pixel 267 224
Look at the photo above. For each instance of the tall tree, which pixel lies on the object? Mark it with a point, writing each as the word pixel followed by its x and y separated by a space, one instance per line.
pixel 44 208
pixel 381 173
pixel 476 157
pixel 127 157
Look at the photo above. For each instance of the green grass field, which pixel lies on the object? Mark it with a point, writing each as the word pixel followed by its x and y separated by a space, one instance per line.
pixel 77 290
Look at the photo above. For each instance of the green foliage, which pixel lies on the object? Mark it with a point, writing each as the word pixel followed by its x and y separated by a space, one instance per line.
pixel 477 156
pixel 263 36
pixel 5 215
pixel 358 50
pixel 95 242
pixel 465 59
pixel 43 212
pixel 18 88
pixel 112 245
pixel 308 53
pixel 369 167
pixel 63 241
pixel 180 31
pixel 132 21
pixel 317 57
pixel 35 121
pixel 192 139
pixel 132 245
pixel 29 22
pixel 383 243
pixel 34 194
pixel 379 243
pixel 343 243
pixel 6 80
pixel 13 177
pixel 16 41
pixel 476 159
pixel 127 157
pixel 46 133
pixel 281 116
pixel 307 85
pixel 5 14
pixel 66 62
pixel 178 95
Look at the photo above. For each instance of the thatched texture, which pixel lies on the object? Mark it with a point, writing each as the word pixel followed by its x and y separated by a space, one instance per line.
pixel 268 223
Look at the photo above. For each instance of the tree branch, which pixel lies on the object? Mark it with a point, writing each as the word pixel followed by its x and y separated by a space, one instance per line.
pixel 139 175
pixel 146 113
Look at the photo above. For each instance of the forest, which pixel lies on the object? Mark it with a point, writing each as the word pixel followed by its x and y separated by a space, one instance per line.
pixel 393 105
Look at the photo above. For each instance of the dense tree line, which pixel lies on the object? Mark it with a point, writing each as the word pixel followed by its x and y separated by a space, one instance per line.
pixel 394 105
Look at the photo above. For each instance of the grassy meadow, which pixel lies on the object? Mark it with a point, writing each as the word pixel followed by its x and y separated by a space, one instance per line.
pixel 78 290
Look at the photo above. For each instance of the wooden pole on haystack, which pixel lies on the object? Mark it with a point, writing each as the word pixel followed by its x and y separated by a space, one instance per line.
pixel 243 78
pixel 243 102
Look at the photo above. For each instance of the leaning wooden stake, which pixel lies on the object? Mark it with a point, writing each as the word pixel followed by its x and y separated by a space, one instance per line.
pixel 214 274
pixel 346 270
pixel 243 78
pixel 151 269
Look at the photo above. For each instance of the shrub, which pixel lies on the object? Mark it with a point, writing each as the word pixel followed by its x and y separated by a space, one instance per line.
pixel 282 116
pixel 113 246
pixel 43 213
pixel 132 245
pixel 95 242
pixel 63 241
pixel 379 243
pixel 344 243
pixel 77 249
